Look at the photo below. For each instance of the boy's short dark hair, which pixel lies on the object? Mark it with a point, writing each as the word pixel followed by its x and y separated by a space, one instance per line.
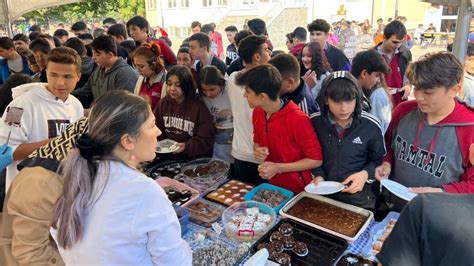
pixel 231 28
pixel 109 21
pixel 195 24
pixel 35 28
pixel 249 46
pixel 370 60
pixel 117 30
pixel 21 37
pixel 78 26
pixel 207 28
pixel 287 65
pixel 77 45
pixel 6 43
pixel 104 43
pixel 41 45
pixel 395 28
pixel 65 55
pixel 261 79
pixel 140 22
pixel 257 26
pixel 300 33
pixel 60 33
pixel 34 35
pixel 240 36
pixel 184 49
pixel 433 70
pixel 470 49
pixel 86 36
pixel 202 38
pixel 319 25
pixel 380 20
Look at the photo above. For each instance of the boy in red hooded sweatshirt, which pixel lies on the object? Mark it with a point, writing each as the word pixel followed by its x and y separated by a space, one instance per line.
pixel 428 140
pixel 284 141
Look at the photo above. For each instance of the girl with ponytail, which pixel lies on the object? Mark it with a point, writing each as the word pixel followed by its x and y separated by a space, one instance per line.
pixel 148 62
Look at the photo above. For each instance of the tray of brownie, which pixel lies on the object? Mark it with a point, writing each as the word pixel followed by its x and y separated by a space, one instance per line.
pixel 229 193
pixel 340 219
pixel 293 243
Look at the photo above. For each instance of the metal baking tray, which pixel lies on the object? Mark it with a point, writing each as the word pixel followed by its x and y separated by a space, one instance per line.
pixel 366 213
pixel 324 249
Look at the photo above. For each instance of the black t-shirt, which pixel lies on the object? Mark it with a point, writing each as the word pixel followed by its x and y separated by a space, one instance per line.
pixel 433 229
pixel 231 54
pixel 236 65
pixel 337 59
pixel 215 62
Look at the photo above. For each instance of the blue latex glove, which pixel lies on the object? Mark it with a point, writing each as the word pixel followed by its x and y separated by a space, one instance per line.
pixel 6 156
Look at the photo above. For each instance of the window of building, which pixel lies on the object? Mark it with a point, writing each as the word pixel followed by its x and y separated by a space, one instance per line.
pixel 222 2
pixel 171 3
pixel 206 3
pixel 184 3
pixel 151 4
pixel 174 31
pixel 450 11
pixel 185 32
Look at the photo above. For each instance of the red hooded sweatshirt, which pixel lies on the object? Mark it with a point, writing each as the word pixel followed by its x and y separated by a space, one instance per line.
pixel 290 137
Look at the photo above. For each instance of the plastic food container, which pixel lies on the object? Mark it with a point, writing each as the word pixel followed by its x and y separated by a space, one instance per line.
pixel 368 214
pixel 248 221
pixel 205 174
pixel 168 182
pixel 323 248
pixel 286 193
pixel 204 212
pixel 183 217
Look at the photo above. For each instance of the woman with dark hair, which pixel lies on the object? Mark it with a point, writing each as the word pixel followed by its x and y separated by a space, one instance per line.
pixel 314 66
pixel 213 92
pixel 183 117
pixel 351 139
pixel 147 60
pixel 110 213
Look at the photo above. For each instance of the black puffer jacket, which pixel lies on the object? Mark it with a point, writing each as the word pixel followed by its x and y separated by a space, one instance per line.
pixel 361 148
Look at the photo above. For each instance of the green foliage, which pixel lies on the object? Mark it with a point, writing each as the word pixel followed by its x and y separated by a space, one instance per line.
pixel 89 10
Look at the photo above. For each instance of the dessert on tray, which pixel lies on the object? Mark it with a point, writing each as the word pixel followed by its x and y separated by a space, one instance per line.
pixel 230 192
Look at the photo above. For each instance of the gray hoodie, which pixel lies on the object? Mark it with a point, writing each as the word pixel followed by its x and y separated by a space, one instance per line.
pixel 120 77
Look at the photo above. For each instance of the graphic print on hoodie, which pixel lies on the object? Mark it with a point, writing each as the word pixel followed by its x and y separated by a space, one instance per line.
pixel 44 116
pixel 431 155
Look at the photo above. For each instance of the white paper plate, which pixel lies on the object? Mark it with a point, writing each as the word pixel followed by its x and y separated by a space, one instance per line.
pixel 324 188
pixel 166 146
pixel 398 189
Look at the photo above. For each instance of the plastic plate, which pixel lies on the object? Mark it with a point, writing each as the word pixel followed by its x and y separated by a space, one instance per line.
pixel 324 188
pixel 166 146
pixel 398 189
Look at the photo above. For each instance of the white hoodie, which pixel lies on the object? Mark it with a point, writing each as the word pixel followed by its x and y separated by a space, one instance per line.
pixel 44 116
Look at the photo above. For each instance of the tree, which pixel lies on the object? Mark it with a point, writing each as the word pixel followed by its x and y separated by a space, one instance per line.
pixel 89 10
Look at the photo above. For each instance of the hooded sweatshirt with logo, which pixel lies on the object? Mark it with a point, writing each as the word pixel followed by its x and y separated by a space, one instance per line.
pixel 431 155
pixel 360 147
pixel 189 122
pixel 289 137
pixel 120 76
pixel 44 116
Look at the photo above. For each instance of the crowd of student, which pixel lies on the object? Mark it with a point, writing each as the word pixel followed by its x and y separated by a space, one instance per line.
pixel 290 119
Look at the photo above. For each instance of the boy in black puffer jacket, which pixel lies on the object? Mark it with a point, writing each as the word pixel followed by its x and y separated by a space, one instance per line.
pixel 351 139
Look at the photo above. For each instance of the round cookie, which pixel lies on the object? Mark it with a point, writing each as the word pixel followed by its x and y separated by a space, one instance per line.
pixel 286 229
pixel 288 242
pixel 300 249
pixel 276 236
pixel 283 259
pixel 277 246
